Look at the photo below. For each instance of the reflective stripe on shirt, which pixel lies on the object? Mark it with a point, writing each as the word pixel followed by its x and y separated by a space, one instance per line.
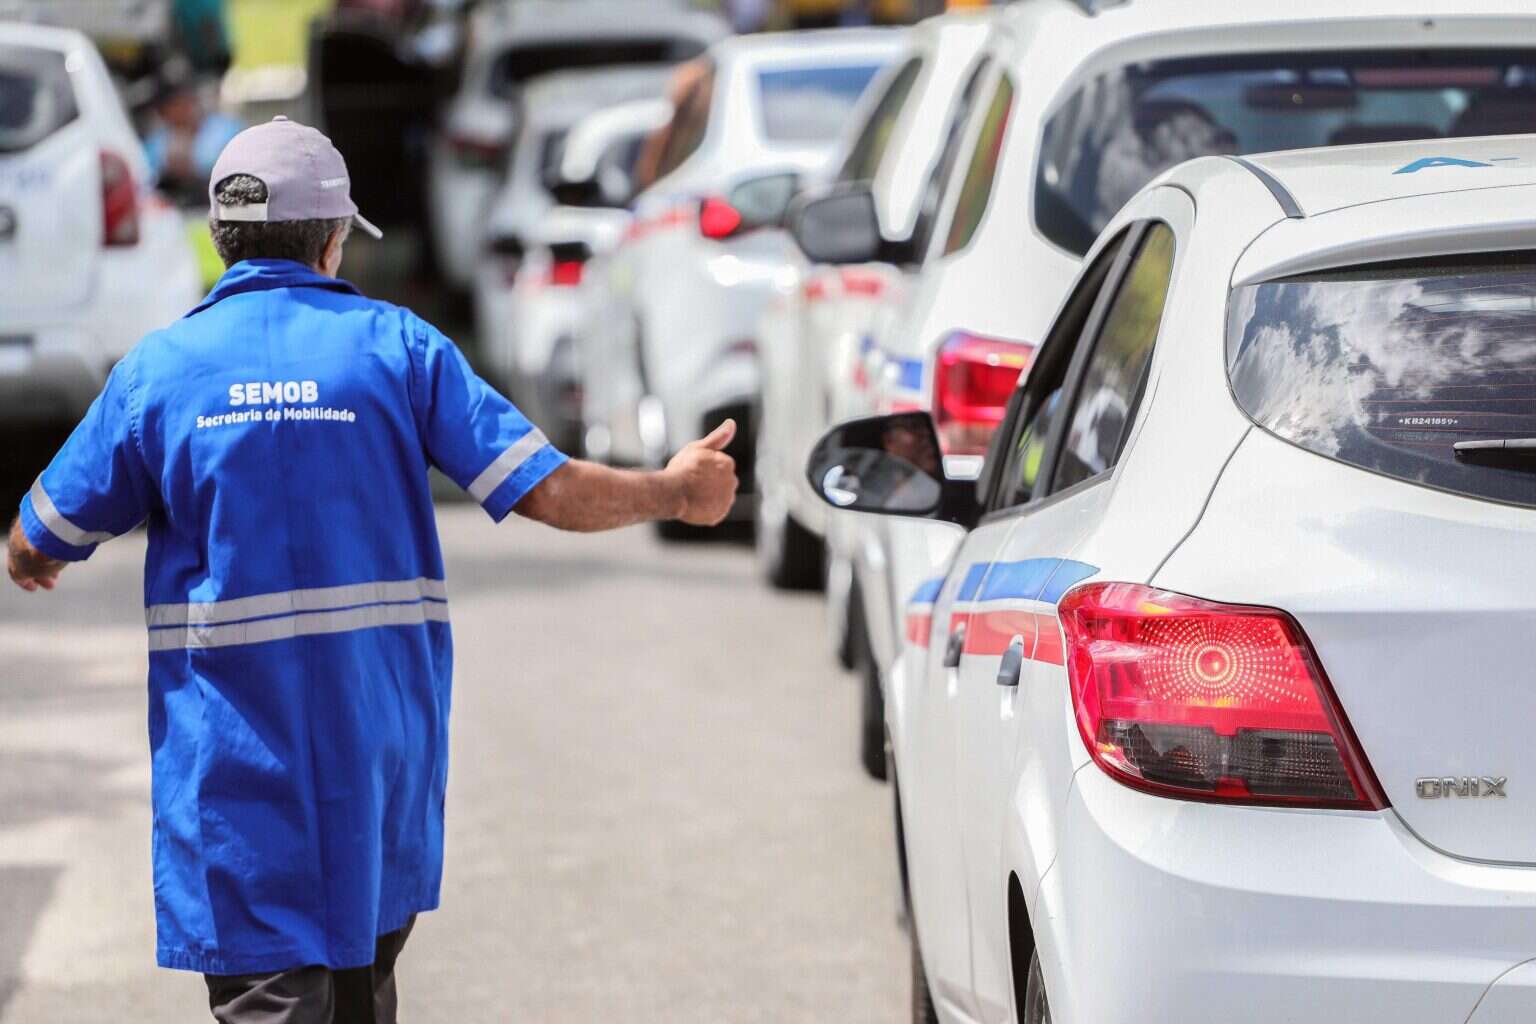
pixel 507 463
pixel 287 602
pixel 285 627
pixel 57 525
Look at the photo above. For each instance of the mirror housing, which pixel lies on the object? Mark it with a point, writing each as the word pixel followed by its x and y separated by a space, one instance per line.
pixel 764 201
pixel 839 225
pixel 890 465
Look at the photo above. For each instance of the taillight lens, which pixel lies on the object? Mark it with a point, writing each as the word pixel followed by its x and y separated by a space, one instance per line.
pixel 478 153
pixel 565 273
pixel 718 218
pixel 1211 701
pixel 119 202
pixel 973 378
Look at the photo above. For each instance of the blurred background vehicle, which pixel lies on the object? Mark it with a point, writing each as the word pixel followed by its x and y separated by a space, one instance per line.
pixel 580 137
pixel 90 258
pixel 514 43
pixel 817 337
pixel 674 348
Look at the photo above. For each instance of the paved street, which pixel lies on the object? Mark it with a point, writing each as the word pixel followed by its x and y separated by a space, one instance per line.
pixel 654 810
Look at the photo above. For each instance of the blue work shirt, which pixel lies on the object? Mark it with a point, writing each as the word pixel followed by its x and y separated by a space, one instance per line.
pixel 277 441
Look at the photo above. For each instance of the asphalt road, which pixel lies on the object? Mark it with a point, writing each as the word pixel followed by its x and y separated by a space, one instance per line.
pixel 654 808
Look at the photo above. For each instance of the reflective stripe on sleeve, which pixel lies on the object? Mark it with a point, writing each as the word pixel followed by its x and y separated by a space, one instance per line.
pixel 507 463
pixel 57 525
pixel 289 602
pixel 288 626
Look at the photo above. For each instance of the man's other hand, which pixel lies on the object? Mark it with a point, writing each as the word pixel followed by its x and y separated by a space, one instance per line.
pixel 30 569
pixel 706 477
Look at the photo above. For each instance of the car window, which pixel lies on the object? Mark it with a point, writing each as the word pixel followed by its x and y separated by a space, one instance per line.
pixel 1389 367
pixel 1105 402
pixel 976 189
pixel 869 148
pixel 1124 127
pixel 517 64
pixel 36 99
pixel 944 167
pixel 810 104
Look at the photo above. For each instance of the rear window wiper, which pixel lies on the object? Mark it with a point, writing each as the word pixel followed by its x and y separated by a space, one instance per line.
pixel 1497 448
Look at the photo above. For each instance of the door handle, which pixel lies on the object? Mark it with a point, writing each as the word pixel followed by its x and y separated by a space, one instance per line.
pixel 955 647
pixel 1012 664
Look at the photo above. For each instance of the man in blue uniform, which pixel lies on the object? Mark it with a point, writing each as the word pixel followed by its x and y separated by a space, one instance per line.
pixel 277 441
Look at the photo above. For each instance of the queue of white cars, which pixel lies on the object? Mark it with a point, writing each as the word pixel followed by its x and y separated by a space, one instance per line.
pixel 1199 713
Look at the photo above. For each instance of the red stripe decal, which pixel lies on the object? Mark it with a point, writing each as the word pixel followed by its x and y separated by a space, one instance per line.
pixel 919 626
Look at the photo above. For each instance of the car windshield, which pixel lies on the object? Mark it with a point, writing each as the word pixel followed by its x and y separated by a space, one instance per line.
pixel 35 96
pixel 810 104
pixel 521 62
pixel 1388 367
pixel 1124 127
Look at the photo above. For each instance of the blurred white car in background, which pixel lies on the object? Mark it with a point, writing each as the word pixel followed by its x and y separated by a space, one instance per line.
pixel 510 44
pixel 674 349
pixel 532 295
pixel 1172 738
pixel 90 259
pixel 1078 111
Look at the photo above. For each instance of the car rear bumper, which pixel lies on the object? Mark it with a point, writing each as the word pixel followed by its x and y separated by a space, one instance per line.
pixel 1158 909
pixel 48 373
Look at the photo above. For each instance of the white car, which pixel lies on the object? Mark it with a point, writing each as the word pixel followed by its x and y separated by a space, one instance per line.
pixel 90 259
pixel 1212 715
pixel 902 145
pixel 511 43
pixel 1080 109
pixel 521 292
pixel 675 349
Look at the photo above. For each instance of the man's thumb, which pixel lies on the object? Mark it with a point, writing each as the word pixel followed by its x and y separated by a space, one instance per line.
pixel 720 436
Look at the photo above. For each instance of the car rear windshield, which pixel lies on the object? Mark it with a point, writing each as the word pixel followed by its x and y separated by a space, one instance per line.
pixel 1124 127
pixel 36 98
pixel 810 104
pixel 520 63
pixel 1388 367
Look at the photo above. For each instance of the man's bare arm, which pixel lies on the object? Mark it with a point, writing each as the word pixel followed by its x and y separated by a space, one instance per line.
pixel 29 567
pixel 698 487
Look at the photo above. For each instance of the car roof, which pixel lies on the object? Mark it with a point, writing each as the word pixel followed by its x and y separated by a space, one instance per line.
pixel 1320 180
pixel 532 21
pixel 42 37
pixel 1113 20
pixel 563 96
pixel 813 46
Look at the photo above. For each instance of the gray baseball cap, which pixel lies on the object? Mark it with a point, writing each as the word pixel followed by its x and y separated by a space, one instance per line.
pixel 306 177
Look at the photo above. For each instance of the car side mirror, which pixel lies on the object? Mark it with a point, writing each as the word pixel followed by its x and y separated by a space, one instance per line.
pixel 838 226
pixel 891 465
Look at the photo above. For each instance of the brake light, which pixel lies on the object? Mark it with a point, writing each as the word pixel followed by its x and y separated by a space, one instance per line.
pixel 1190 698
pixel 476 152
pixel 718 218
pixel 973 378
pixel 119 202
pixel 565 273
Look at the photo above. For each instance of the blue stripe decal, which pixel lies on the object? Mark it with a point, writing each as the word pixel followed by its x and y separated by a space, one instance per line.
pixel 927 591
pixel 911 373
pixel 1033 579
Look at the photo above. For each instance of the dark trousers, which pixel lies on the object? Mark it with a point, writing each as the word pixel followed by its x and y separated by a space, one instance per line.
pixel 312 995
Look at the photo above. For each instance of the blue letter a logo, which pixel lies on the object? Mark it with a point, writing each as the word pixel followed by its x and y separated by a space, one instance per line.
pixel 1438 161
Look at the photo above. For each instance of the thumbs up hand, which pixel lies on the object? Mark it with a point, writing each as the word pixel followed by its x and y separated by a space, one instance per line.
pixel 706 477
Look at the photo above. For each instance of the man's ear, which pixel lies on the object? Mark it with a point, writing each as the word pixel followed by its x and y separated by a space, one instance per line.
pixel 330 260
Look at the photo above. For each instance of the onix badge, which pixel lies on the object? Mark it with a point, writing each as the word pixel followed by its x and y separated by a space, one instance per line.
pixel 1462 785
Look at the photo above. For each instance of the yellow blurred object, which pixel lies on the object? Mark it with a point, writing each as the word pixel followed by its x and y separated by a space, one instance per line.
pixel 264 33
pixel 209 267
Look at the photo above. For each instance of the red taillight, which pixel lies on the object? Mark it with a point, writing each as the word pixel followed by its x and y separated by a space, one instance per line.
pixel 973 378
pixel 475 152
pixel 119 202
pixel 718 218
pixel 1209 701
pixel 565 273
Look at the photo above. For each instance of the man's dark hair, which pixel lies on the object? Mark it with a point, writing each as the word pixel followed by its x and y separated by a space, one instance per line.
pixel 299 240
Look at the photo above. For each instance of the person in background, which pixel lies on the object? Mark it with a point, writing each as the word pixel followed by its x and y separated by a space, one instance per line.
pixel 188 137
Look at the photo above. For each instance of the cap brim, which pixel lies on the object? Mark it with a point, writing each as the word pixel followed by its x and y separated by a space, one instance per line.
pixel 368 227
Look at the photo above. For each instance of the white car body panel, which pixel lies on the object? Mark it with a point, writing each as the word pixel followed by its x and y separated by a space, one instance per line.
pixel 83 305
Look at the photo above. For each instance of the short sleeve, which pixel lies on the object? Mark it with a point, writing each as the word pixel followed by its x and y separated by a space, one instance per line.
pixel 473 434
pixel 98 486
